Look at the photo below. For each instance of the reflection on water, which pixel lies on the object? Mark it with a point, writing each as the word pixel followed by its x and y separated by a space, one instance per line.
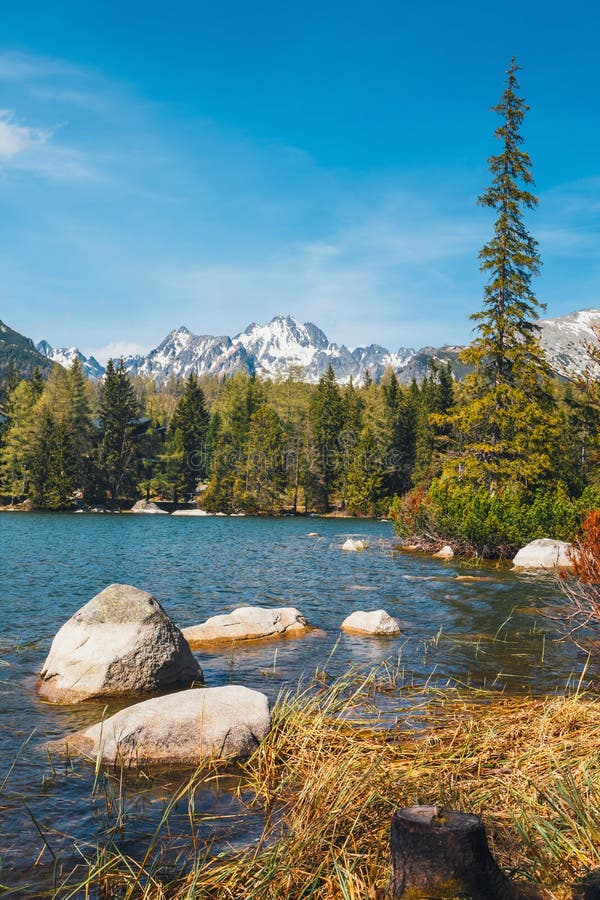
pixel 481 626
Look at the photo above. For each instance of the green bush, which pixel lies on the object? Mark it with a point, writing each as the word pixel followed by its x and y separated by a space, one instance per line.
pixel 492 525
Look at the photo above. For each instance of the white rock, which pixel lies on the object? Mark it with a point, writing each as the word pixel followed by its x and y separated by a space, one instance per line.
pixel 353 544
pixel 375 622
pixel 313 534
pixel 248 623
pixel 120 643
pixel 445 553
pixel 544 553
pixel 149 508
pixel 184 728
pixel 191 512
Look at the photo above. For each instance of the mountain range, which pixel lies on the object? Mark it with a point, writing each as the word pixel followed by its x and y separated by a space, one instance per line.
pixel 286 345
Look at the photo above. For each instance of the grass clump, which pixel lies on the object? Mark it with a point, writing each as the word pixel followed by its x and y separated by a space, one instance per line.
pixel 328 779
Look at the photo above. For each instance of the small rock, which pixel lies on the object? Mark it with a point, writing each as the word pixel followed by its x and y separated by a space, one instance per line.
pixel 184 728
pixel 375 622
pixel 248 623
pixel 354 544
pixel 191 512
pixel 120 643
pixel 544 553
pixel 313 534
pixel 148 507
pixel 445 553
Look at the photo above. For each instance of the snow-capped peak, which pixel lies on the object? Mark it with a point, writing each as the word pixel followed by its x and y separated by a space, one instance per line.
pixel 565 340
pixel 64 356
pixel 283 342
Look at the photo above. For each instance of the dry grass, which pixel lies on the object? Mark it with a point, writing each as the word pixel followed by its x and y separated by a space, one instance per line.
pixel 328 784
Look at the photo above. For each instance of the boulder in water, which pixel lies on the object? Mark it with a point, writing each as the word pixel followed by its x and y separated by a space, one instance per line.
pixel 185 728
pixel 545 553
pixel 375 622
pixel 445 553
pixel 354 545
pixel 149 508
pixel 120 643
pixel 248 623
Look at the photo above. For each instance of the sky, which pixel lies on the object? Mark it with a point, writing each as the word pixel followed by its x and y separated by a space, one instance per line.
pixel 211 165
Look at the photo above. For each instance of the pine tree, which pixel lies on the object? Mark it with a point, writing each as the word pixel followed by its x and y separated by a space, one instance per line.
pixel 365 475
pixel 17 442
pixel 228 432
pixel 79 415
pixel 432 425
pixel 401 417
pixel 261 475
pixel 327 421
pixel 191 420
pixel 118 450
pixel 506 420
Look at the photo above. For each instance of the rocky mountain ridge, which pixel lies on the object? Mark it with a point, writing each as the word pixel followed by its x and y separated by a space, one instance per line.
pixel 64 356
pixel 287 345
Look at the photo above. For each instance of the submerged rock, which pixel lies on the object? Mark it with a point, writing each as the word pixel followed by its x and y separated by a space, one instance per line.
pixel 149 508
pixel 120 643
pixel 185 728
pixel 354 544
pixel 445 553
pixel 377 621
pixel 248 623
pixel 545 553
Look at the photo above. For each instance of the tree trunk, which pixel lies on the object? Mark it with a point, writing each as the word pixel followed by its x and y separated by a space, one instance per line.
pixel 440 853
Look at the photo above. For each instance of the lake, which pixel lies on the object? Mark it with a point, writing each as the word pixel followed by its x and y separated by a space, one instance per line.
pixel 486 632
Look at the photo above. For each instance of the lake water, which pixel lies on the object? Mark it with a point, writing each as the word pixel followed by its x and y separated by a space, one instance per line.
pixel 484 632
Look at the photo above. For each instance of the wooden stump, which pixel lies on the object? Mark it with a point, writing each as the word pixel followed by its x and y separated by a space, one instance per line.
pixel 588 888
pixel 440 853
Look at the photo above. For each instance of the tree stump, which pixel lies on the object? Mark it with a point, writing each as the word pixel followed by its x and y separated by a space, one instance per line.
pixel 441 853
pixel 588 888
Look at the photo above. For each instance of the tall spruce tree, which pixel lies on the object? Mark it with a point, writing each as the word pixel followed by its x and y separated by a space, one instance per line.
pixel 187 442
pixel 506 420
pixel 327 422
pixel 119 449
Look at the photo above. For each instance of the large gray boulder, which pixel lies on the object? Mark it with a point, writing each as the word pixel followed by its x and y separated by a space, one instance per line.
pixel 376 621
pixel 120 643
pixel 248 623
pixel 446 552
pixel 354 545
pixel 149 508
pixel 185 728
pixel 545 553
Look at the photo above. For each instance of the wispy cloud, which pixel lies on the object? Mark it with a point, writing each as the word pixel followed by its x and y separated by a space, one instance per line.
pixel 117 349
pixel 17 139
pixel 377 281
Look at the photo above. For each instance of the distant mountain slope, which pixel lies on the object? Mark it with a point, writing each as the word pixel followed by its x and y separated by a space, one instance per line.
pixel 284 344
pixel 270 350
pixel 182 352
pixel 64 356
pixel 565 340
pixel 22 350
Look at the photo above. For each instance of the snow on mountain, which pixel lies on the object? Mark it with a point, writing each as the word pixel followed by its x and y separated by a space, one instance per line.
pixel 565 341
pixel 282 343
pixel 182 353
pixel 269 350
pixel 64 356
pixel 274 349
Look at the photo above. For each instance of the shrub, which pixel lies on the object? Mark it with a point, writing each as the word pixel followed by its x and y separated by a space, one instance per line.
pixel 490 524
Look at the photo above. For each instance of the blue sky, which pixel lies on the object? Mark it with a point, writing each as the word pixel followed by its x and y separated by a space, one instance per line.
pixel 216 164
